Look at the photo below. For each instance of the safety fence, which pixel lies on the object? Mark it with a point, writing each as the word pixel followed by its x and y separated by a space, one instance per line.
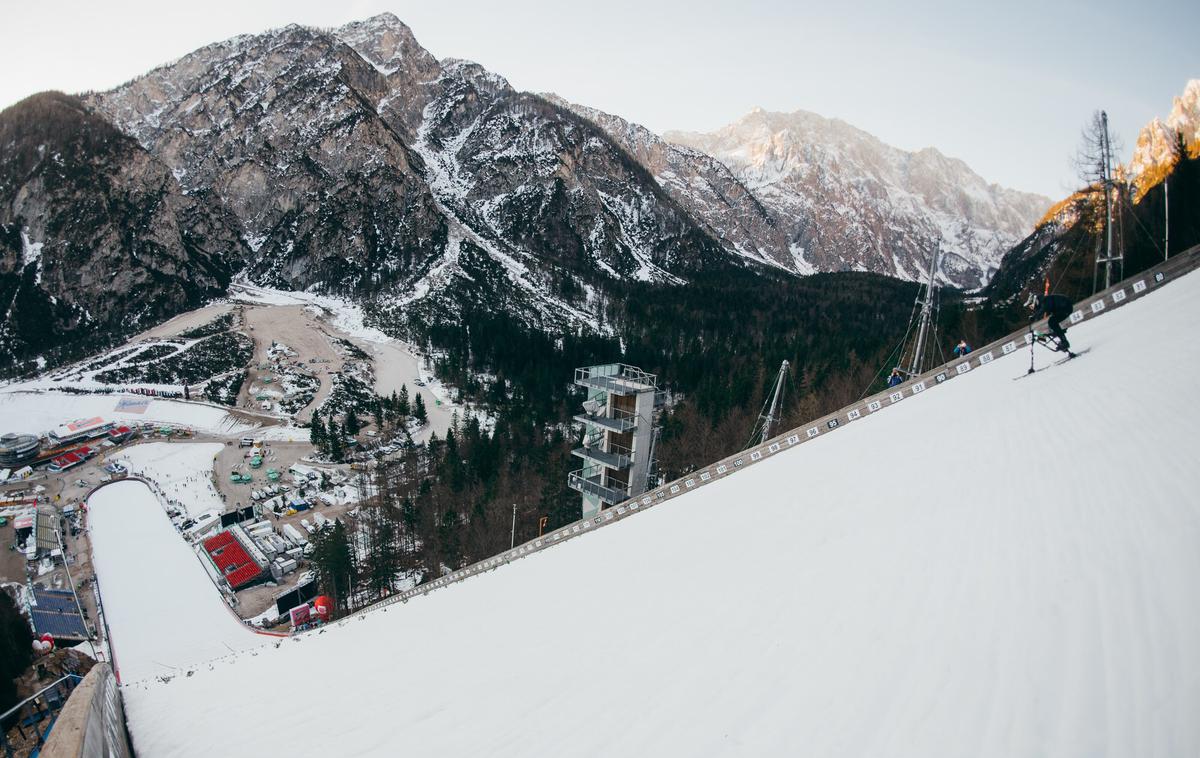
pixel 1116 296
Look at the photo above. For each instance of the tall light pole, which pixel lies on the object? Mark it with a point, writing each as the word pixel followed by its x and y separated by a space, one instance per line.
pixel 512 540
pixel 1166 218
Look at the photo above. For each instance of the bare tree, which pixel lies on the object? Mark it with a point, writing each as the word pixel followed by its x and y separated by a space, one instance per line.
pixel 1090 159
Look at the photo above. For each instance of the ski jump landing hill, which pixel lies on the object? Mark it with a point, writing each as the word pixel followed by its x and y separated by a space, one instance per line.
pixel 1114 297
pixel 994 568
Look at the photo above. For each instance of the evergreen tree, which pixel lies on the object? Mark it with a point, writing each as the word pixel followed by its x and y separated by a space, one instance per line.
pixel 377 413
pixel 351 424
pixel 453 465
pixel 336 446
pixel 334 563
pixel 402 405
pixel 316 432
pixel 383 555
pixel 419 409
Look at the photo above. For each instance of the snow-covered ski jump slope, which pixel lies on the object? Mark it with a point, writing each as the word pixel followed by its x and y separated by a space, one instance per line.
pixel 997 568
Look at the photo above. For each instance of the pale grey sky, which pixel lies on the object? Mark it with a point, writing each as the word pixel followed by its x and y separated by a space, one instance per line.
pixel 1005 86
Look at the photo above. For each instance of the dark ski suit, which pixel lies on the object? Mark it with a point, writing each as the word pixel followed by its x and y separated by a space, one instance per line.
pixel 1056 309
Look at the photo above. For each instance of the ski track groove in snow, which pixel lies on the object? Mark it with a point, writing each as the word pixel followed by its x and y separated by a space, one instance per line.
pixel 1017 574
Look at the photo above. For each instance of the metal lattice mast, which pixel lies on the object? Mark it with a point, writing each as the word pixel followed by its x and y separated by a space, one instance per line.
pixel 918 356
pixel 1106 172
pixel 776 398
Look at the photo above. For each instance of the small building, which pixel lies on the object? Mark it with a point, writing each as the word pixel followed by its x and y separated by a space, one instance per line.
pixel 203 525
pixel 65 462
pixel 23 529
pixel 45 529
pixel 55 612
pixel 18 449
pixel 301 473
pixel 79 430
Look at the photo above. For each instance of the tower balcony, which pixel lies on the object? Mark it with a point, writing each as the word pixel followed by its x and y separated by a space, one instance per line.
pixel 617 457
pixel 616 379
pixel 588 481
pixel 619 421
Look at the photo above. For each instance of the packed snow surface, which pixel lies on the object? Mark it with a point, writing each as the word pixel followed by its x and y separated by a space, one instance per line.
pixel 998 568
pixel 39 411
pixel 182 471
pixel 163 611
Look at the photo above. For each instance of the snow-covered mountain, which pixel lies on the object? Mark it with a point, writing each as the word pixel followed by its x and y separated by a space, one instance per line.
pixel 360 164
pixel 95 233
pixel 845 200
pixel 1161 144
pixel 352 161
pixel 1073 227
pixel 706 188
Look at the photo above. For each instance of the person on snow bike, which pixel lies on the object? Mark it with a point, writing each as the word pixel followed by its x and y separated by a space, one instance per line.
pixel 1056 309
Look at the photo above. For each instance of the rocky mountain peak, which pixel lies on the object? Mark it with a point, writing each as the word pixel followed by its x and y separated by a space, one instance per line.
pixel 850 201
pixel 1157 148
pixel 387 43
pixel 1185 116
pixel 477 76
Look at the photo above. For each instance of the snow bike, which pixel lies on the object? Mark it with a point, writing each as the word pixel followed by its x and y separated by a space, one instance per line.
pixel 1052 343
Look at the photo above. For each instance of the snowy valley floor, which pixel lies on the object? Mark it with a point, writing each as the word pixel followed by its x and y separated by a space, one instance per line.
pixel 26 410
pixel 998 568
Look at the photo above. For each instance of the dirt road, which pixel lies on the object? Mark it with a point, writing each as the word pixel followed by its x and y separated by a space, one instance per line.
pixel 185 321
pixel 296 327
pixel 395 366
